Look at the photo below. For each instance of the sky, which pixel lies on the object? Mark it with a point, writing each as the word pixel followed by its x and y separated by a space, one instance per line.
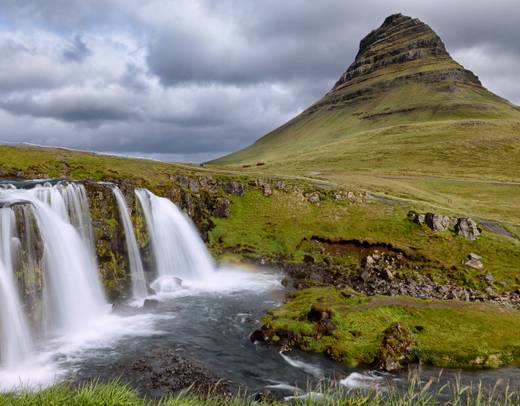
pixel 191 80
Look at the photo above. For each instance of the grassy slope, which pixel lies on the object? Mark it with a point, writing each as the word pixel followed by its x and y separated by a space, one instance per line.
pixel 413 130
pixel 413 127
pixel 277 226
pixel 446 335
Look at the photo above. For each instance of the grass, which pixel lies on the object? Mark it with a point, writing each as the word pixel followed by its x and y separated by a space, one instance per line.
pixel 282 225
pixel 118 394
pixel 446 333
pixel 35 162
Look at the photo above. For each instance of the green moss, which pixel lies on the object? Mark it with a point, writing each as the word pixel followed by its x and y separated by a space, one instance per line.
pixel 445 333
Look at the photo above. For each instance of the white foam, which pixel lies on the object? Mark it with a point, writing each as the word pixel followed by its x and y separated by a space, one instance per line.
pixel 357 380
pixel 225 280
pixel 308 368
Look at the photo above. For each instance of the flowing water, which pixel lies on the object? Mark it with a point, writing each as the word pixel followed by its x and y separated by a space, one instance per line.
pixel 178 251
pixel 139 288
pixel 16 341
pixel 205 313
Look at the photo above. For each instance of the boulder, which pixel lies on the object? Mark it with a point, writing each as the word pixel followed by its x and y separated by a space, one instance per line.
pixel 437 222
pixel 474 261
pixel 416 217
pixel 313 197
pixel 467 228
pixel 235 188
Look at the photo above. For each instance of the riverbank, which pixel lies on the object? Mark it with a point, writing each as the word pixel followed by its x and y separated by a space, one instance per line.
pixel 390 333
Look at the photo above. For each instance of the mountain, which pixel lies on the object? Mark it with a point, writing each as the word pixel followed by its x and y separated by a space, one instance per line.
pixel 403 106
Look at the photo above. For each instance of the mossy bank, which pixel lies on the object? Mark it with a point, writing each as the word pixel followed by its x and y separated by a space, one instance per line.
pixel 390 332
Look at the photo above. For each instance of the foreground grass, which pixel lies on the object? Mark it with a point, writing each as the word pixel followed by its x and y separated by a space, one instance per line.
pixel 117 394
pixel 445 333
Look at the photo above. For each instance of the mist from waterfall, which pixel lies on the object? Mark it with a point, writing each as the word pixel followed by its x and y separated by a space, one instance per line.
pixel 139 289
pixel 178 249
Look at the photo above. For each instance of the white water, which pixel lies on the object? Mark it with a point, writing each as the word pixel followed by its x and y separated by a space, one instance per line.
pixel 177 247
pixel 358 380
pixel 15 337
pixel 72 292
pixel 309 368
pixel 139 289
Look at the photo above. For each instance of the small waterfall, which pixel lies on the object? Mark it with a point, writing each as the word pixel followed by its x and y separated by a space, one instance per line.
pixel 139 289
pixel 176 244
pixel 15 336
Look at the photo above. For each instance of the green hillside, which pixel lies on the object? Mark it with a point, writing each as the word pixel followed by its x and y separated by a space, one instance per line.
pixel 403 107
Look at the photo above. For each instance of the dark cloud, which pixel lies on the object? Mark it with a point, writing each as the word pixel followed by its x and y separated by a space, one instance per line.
pixel 191 80
pixel 76 51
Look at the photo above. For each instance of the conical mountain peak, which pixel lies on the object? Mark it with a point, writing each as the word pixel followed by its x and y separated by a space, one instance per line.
pixel 403 45
pixel 402 79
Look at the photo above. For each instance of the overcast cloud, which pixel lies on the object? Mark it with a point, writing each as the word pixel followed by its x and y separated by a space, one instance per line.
pixel 193 80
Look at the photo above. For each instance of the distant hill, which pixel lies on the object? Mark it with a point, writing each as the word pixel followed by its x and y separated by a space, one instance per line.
pixel 403 106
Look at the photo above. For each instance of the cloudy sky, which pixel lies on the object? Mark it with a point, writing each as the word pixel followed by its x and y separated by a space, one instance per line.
pixel 192 80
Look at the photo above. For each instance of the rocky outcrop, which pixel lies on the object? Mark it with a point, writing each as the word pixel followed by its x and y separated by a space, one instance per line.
pixel 437 222
pixel 464 226
pixel 395 351
pixel 467 228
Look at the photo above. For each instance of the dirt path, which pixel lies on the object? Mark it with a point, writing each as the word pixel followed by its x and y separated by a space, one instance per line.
pixel 463 180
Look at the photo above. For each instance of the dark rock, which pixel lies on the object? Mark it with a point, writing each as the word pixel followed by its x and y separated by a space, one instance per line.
pixel 356 333
pixel 319 312
pixel 222 207
pixel 162 371
pixel 150 303
pixel 467 228
pixel 235 188
pixel 308 259
pixel 265 396
pixel 263 334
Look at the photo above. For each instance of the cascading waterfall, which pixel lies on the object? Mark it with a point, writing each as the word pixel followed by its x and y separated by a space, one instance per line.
pixel 76 200
pixel 139 289
pixel 16 342
pixel 72 294
pixel 176 245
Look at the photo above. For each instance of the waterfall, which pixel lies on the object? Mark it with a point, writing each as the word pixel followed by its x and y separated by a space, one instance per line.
pixel 15 336
pixel 76 200
pixel 72 293
pixel 139 289
pixel 176 244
